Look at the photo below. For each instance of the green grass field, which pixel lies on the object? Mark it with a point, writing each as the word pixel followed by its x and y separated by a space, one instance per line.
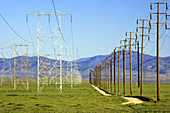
pixel 81 98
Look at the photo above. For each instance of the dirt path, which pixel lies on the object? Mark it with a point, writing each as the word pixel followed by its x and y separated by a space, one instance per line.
pixel 100 91
pixel 130 99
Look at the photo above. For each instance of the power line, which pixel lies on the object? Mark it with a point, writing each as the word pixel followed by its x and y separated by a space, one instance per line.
pixel 13 29
pixel 163 43
pixel 57 21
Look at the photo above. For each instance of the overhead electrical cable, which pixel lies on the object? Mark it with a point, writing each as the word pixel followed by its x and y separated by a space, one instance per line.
pixel 13 29
pixel 58 21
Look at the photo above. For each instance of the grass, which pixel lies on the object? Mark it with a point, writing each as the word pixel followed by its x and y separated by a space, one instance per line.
pixel 81 98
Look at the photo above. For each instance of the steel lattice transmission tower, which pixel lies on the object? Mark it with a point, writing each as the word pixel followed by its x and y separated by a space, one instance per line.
pixel 43 39
pixel 21 65
pixel 6 73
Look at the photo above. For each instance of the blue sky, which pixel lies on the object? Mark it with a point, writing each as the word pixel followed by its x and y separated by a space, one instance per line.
pixel 98 25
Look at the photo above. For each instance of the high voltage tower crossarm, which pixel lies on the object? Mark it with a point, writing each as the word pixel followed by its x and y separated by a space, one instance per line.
pixel 158 23
pixel 42 41
pixel 130 47
pixel 142 35
pixel 124 66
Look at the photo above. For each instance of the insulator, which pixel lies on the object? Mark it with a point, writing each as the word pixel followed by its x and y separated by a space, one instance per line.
pixel 151 6
pixel 165 26
pixel 166 6
pixel 166 16
pixel 148 37
pixel 150 26
pixel 150 16
pixel 137 21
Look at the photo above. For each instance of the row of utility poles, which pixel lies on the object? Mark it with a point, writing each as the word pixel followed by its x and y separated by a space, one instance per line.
pixel 102 76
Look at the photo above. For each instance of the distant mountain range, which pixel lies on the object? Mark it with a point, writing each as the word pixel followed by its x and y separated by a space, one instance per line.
pixel 85 64
pixel 149 64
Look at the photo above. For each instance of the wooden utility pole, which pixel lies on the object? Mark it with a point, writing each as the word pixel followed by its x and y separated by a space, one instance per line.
pixel 115 71
pixel 107 68
pixel 142 35
pixel 105 76
pixel 107 59
pixel 98 76
pixel 158 23
pixel 119 72
pixel 124 66
pixel 111 72
pixel 90 77
pixel 108 73
pixel 118 69
pixel 96 82
pixel 100 69
pixel 95 77
pixel 124 71
pixel 130 47
pixel 138 65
